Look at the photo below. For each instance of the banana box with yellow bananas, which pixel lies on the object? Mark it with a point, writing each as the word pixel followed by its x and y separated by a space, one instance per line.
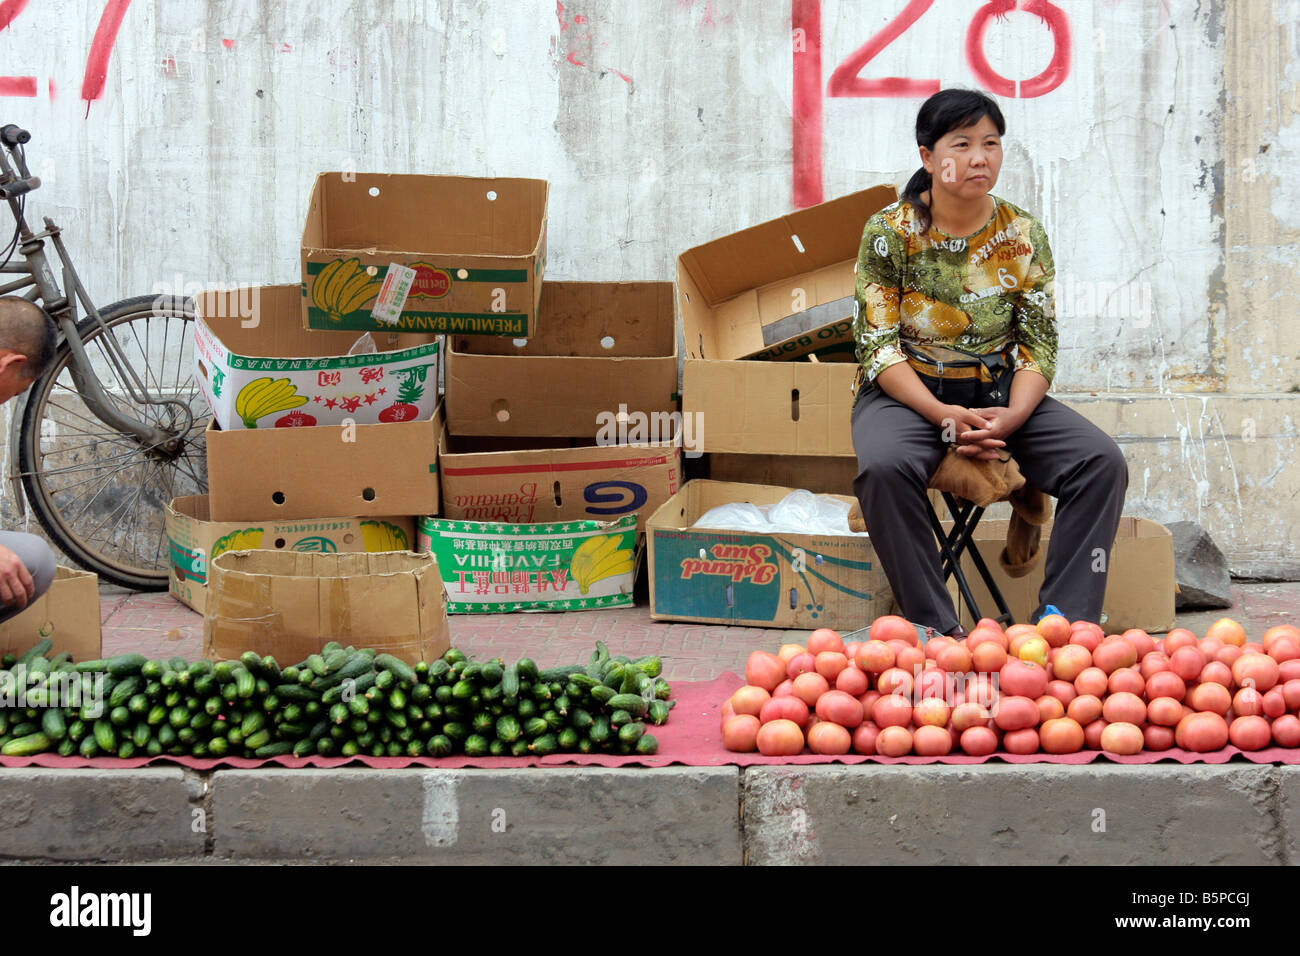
pixel 416 253
pixel 259 368
pixel 193 540
pixel 490 567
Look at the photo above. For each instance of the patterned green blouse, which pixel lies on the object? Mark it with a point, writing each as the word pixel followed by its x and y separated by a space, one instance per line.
pixel 983 293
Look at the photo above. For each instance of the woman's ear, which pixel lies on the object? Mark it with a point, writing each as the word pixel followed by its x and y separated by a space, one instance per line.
pixel 927 159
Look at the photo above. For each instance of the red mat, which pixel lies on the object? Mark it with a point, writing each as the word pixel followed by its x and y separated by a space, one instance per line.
pixel 690 738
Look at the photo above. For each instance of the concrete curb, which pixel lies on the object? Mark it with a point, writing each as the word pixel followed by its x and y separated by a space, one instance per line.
pixel 1097 814
pixel 672 815
pixel 992 814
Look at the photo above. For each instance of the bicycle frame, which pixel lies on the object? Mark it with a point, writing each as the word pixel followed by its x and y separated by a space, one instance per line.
pixel 37 278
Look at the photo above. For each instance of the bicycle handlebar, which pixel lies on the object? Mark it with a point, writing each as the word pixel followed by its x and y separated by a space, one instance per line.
pixel 18 187
pixel 12 135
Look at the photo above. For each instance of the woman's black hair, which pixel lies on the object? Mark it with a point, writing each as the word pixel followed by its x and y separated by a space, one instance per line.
pixel 942 113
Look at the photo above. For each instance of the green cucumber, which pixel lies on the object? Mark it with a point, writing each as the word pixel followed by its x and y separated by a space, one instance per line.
pixel 527 669
pixel 508 729
pixel 126 664
pixel 631 733
pixel 620 718
pixel 567 739
pixel 544 745
pixel 510 682
pixel 104 736
pixel 476 746
pixel 39 649
pixel 657 713
pixel 439 745
pixel 27 746
pixel 398 666
pixel 600 730
pixel 647 745
pixel 602 694
pixel 125 690
pixel 535 727
pixel 632 703
pixel 53 724
pixel 280 748
pixel 651 666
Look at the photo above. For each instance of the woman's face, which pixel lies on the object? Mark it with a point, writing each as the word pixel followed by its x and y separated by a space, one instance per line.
pixel 965 162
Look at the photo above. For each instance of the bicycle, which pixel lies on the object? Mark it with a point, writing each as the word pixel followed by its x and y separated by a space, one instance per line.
pixel 101 451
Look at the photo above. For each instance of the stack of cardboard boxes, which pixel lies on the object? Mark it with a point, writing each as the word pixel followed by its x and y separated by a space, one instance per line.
pixel 557 449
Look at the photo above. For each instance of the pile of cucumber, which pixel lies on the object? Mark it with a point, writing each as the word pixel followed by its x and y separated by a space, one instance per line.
pixel 339 702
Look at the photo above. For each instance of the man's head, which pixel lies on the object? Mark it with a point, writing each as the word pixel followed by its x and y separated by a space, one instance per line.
pixel 26 344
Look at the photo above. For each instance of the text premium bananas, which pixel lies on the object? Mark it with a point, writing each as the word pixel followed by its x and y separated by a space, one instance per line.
pixel 342 287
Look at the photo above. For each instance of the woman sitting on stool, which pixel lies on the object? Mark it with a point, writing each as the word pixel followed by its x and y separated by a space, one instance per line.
pixel 955 328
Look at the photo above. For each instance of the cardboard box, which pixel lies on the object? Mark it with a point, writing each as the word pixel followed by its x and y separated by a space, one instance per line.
pixel 291 604
pixel 779 290
pixel 194 540
pixel 485 479
pixel 602 345
pixel 477 248
pixel 820 474
pixel 1139 582
pixel 282 474
pixel 491 567
pixel 258 367
pixel 753 579
pixel 770 408
pixel 68 614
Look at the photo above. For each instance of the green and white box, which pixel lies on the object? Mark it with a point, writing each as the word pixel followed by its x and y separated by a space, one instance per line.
pixel 259 368
pixel 491 567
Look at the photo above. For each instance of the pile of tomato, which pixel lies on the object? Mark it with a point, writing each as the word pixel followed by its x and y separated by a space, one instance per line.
pixel 1056 687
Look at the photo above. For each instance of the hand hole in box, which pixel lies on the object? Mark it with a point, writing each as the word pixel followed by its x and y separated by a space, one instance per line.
pixel 701 345
pixel 607 342
pixel 556 490
pixel 279 542
pixel 794 404
pixel 368 494
pixel 278 497
pixel 501 409
pixel 492 195
pixel 519 343
pixel 794 598
pixel 373 190
pixel 797 243
pixel 349 538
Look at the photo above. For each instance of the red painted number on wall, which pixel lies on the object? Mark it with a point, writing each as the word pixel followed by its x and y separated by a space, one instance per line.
pixel 101 50
pixel 847 79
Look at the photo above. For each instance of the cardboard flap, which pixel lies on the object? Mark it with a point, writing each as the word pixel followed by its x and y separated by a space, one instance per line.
pixel 431 214
pixel 290 604
pixel 594 320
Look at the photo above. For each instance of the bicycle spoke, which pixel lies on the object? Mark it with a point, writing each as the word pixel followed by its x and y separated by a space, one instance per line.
pixel 109 516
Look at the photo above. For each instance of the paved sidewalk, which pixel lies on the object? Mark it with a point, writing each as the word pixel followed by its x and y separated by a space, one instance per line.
pixel 160 626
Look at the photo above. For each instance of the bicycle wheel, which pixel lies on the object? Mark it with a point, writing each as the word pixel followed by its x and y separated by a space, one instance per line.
pixel 99 494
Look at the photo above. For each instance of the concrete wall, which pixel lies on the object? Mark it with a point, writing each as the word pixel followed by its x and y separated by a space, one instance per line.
pixel 1158 164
